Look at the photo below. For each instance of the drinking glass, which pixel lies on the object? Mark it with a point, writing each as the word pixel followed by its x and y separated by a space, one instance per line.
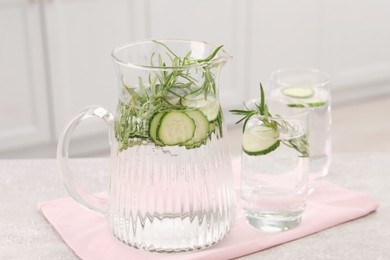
pixel 311 87
pixel 274 176
pixel 171 185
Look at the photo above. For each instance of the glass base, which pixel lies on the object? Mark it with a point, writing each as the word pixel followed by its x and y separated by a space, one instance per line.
pixel 274 222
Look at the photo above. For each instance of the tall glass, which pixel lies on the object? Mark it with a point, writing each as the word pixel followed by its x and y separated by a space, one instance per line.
pixel 274 178
pixel 311 87
pixel 171 183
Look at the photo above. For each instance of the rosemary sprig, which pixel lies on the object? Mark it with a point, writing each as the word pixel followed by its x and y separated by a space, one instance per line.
pixel 260 109
pixel 211 56
pixel 276 123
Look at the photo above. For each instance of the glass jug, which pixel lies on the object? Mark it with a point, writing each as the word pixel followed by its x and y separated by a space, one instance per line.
pixel 171 185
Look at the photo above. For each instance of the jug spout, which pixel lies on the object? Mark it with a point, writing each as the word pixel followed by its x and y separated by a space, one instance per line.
pixel 225 56
pixel 209 55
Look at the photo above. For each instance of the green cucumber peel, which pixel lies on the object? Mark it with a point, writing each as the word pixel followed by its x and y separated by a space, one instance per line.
pixel 300 144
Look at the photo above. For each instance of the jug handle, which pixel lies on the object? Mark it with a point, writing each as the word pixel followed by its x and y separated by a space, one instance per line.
pixel 92 202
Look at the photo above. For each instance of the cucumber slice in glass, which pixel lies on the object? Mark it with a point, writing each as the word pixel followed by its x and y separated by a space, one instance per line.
pixel 315 103
pixel 260 140
pixel 298 92
pixel 175 128
pixel 310 102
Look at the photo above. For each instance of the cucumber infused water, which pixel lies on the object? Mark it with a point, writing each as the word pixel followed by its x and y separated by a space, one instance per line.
pixel 274 163
pixel 310 87
pixel 319 125
pixel 273 181
pixel 171 169
pixel 171 183
pixel 166 107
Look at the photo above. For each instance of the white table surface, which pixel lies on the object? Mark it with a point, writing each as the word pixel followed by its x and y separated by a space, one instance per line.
pixel 25 234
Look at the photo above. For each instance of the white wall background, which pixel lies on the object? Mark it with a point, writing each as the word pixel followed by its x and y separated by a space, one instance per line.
pixel 55 55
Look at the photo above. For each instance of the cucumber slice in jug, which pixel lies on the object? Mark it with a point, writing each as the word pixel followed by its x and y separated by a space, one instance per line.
pixel 202 128
pixel 208 105
pixel 260 140
pixel 175 128
pixel 154 123
pixel 298 92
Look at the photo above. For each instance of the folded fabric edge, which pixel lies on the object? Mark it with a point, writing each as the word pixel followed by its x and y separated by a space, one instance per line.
pixel 42 206
pixel 301 231
pixel 253 247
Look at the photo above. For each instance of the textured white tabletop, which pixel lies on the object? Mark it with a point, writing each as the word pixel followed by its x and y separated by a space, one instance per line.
pixel 25 234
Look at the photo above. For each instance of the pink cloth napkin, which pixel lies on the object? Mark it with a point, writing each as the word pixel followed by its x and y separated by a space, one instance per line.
pixel 90 238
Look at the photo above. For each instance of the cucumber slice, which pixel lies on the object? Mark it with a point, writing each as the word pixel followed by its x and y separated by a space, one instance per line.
pixel 304 94
pixel 315 103
pixel 211 111
pixel 298 92
pixel 202 129
pixel 175 128
pixel 260 140
pixel 208 105
pixel 212 127
pixel 153 125
pixel 310 102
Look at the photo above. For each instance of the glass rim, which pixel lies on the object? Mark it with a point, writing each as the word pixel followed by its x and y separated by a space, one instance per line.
pixel 222 58
pixel 311 70
pixel 305 109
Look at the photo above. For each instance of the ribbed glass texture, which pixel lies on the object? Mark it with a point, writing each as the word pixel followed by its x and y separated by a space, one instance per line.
pixel 171 198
